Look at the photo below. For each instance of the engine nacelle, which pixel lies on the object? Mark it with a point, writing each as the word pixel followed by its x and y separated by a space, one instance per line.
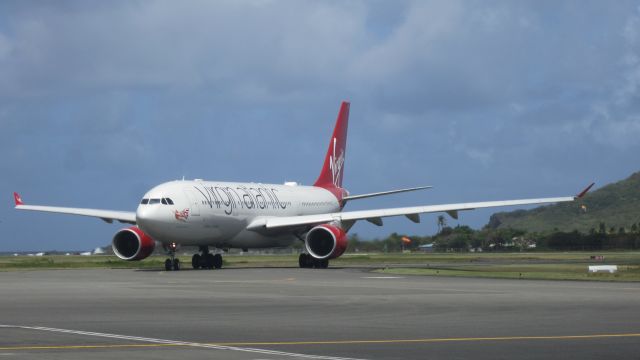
pixel 326 242
pixel 132 244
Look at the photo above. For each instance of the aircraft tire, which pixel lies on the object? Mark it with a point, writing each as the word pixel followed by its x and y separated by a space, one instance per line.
pixel 176 264
pixel 209 261
pixel 217 261
pixel 319 264
pixel 303 261
pixel 195 261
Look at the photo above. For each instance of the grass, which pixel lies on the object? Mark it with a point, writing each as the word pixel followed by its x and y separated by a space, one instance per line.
pixel 74 262
pixel 533 272
pixel 537 265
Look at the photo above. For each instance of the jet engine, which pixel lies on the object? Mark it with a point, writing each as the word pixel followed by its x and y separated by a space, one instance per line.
pixel 132 244
pixel 326 242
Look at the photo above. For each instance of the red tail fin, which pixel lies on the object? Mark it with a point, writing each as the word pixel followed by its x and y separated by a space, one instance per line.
pixel 332 170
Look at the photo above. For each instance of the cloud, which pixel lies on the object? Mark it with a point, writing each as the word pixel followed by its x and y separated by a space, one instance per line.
pixel 5 47
pixel 613 120
pixel 484 156
pixel 225 47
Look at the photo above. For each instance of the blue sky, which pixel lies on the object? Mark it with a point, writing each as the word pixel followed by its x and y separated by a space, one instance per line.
pixel 484 100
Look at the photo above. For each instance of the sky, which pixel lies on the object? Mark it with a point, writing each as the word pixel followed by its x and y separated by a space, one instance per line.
pixel 484 100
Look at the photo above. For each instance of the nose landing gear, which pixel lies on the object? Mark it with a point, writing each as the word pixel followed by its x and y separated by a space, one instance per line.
pixel 206 260
pixel 172 263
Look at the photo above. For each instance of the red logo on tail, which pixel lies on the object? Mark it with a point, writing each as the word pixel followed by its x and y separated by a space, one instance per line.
pixel 335 164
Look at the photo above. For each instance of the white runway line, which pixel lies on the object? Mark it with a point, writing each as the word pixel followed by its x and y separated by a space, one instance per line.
pixel 382 277
pixel 181 343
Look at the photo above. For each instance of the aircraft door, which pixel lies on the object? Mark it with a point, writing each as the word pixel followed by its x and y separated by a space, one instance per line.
pixel 194 202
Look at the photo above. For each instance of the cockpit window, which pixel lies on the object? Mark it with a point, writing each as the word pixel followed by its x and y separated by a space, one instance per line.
pixel 167 201
pixel 154 201
pixel 144 201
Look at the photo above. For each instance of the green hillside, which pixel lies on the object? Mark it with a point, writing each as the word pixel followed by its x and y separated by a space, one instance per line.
pixel 616 205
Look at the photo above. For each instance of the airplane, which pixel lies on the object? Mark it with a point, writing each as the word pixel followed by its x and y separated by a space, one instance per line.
pixel 226 215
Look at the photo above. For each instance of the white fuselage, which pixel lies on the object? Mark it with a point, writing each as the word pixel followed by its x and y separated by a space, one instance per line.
pixel 217 213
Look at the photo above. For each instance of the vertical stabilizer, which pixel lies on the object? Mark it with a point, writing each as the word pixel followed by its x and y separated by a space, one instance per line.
pixel 333 169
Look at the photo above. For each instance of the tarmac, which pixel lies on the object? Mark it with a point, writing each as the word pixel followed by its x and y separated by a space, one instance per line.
pixel 291 313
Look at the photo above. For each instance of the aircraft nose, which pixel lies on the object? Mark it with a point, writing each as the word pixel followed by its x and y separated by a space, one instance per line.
pixel 151 220
pixel 154 214
pixel 148 217
pixel 143 213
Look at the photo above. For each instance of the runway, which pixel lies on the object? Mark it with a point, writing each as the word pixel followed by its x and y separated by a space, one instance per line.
pixel 291 313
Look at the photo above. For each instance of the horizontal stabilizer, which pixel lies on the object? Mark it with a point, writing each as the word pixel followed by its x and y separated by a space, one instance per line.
pixel 363 196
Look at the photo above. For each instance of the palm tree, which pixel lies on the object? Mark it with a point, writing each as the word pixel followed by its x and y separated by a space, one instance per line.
pixel 442 223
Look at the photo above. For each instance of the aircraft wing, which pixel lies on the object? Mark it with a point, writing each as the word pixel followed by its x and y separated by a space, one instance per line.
pixel 109 216
pixel 375 216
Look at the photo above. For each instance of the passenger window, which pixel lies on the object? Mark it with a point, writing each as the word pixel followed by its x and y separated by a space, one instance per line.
pixel 154 201
pixel 169 201
pixel 144 201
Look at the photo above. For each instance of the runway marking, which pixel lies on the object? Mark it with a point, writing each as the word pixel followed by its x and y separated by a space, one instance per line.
pixel 80 347
pixel 163 342
pixel 382 277
pixel 233 346
pixel 436 340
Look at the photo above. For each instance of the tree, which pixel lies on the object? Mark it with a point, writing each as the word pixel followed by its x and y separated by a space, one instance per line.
pixel 442 223
pixel 354 243
pixel 602 228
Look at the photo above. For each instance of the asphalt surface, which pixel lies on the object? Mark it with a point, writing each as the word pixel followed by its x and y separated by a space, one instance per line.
pixel 310 314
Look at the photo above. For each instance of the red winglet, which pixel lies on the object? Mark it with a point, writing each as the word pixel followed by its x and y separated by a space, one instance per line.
pixel 585 191
pixel 17 199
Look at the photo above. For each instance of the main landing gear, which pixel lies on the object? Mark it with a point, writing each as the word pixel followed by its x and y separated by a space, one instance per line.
pixel 308 261
pixel 172 263
pixel 206 260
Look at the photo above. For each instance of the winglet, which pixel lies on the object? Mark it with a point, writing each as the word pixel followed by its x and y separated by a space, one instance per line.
pixel 585 191
pixel 17 199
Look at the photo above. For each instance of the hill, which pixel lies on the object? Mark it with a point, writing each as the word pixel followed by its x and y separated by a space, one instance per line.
pixel 616 205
